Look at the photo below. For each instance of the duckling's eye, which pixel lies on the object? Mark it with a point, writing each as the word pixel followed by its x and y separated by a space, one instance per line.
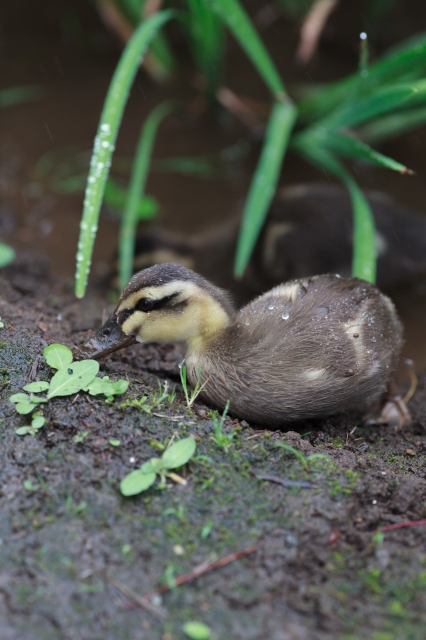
pixel 145 304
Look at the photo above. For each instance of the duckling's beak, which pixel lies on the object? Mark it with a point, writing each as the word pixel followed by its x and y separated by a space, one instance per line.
pixel 105 340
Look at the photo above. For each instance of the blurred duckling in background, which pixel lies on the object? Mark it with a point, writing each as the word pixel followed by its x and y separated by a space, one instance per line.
pixel 308 231
pixel 308 348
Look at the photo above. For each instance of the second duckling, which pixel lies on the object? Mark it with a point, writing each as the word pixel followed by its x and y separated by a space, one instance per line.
pixel 306 349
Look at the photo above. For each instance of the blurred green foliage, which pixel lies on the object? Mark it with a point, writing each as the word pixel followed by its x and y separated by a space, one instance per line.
pixel 334 121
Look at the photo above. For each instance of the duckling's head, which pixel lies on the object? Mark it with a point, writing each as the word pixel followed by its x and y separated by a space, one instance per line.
pixel 165 303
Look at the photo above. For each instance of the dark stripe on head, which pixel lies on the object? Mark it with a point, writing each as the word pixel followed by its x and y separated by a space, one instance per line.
pixel 149 304
pixel 167 272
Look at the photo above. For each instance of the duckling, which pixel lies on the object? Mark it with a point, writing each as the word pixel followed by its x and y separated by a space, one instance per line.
pixel 308 348
pixel 308 230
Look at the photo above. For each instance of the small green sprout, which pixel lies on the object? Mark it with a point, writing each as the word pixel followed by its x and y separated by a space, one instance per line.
pixel 175 456
pixel 37 423
pixel 305 461
pixel 191 396
pixel 378 538
pixel 7 255
pixel 206 530
pixel 70 378
pixel 29 486
pixel 196 630
pixel 155 401
pixel 114 442
pixel 223 440
pixel 1 324
pixel 80 437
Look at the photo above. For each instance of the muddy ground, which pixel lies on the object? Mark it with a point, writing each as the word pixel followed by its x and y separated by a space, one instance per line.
pixel 70 541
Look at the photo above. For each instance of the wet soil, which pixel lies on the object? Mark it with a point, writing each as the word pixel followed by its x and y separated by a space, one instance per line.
pixel 70 541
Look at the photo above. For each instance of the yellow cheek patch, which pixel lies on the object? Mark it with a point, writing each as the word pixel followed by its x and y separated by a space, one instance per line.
pixel 132 324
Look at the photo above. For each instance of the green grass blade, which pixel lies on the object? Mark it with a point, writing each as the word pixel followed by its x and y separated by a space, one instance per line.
pixel 393 125
pixel 116 197
pixel 364 236
pixel 358 111
pixel 105 140
pixel 18 95
pixel 7 255
pixel 208 42
pixel 409 58
pixel 162 63
pixel 235 17
pixel 264 182
pixel 136 189
pixel 353 148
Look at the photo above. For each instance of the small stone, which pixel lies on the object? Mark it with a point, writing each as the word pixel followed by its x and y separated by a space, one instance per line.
pixel 178 550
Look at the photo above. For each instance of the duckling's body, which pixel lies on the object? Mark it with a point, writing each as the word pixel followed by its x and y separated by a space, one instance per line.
pixel 306 349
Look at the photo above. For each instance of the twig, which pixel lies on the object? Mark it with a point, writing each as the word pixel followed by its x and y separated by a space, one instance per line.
pixel 312 28
pixel 413 382
pixel 141 602
pixel 33 371
pixel 241 110
pixel 400 525
pixel 199 571
pixel 283 481
pixel 162 415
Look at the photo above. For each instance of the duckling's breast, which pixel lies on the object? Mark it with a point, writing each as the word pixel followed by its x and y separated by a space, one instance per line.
pixel 306 349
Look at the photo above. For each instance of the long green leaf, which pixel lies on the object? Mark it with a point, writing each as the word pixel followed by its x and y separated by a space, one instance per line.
pixel 264 182
pixel 393 125
pixel 365 109
pixel 235 17
pixel 364 236
pixel 208 42
pixel 353 148
pixel 105 140
pixel 408 58
pixel 136 189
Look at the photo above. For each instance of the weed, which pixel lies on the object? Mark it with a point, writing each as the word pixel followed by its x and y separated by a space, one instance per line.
pixel 206 530
pixel 179 512
pixel 7 255
pixel 196 630
pixel 29 486
pixel 191 397
pixel 36 424
pixel 80 437
pixel 305 461
pixel 71 377
pixel 175 456
pixel 223 440
pixel 157 399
